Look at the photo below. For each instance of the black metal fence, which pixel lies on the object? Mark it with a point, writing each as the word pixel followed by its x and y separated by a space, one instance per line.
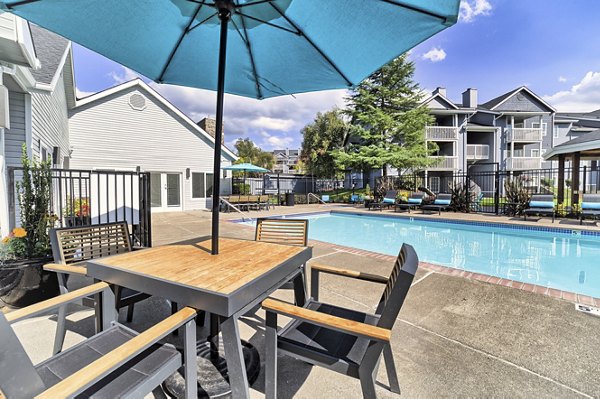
pixel 277 184
pixel 488 189
pixel 84 197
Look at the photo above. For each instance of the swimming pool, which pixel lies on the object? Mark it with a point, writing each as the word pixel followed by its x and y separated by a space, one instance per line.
pixel 553 259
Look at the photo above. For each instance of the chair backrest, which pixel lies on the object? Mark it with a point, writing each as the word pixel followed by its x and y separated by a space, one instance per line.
pixel 417 195
pixel 18 378
pixel 391 194
pixel 76 244
pixel 591 198
pixel 444 197
pixel 253 198
pixel 397 286
pixel 282 231
pixel 244 198
pixel 536 201
pixel 263 198
pixel 234 199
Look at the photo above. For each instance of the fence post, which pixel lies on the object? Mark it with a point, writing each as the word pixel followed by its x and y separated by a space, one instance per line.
pixel 468 186
pixel 278 193
pixel 12 218
pixel 497 192
pixel 584 177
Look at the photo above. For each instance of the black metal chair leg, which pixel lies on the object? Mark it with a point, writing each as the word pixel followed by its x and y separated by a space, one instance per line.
pixel 390 368
pixel 173 311
pixel 130 313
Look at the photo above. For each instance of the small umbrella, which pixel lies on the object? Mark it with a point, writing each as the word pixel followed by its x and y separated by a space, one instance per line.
pixel 245 167
pixel 275 47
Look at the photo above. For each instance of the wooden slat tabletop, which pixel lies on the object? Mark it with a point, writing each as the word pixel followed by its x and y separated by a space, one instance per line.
pixel 238 263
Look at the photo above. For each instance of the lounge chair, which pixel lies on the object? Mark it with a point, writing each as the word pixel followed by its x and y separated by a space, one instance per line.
pixel 344 340
pixel 325 198
pixel 590 207
pixel 117 362
pixel 542 205
pixel 356 199
pixel 388 201
pixel 414 201
pixel 441 203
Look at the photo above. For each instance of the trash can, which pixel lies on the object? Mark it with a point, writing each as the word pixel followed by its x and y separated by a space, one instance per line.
pixel 289 199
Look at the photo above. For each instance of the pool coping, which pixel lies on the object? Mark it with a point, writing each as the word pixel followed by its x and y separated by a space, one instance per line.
pixel 455 272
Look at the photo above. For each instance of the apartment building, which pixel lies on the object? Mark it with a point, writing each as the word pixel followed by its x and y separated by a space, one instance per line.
pixel 286 161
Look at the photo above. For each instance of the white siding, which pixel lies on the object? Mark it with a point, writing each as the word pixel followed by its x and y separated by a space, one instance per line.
pixel 49 120
pixel 15 136
pixel 110 134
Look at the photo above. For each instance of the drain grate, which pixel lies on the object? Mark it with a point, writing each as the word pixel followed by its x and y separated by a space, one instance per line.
pixel 587 309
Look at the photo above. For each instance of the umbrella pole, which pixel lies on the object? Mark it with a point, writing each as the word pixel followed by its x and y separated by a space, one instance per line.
pixel 224 16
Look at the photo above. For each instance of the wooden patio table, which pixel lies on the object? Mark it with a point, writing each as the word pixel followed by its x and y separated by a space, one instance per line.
pixel 228 284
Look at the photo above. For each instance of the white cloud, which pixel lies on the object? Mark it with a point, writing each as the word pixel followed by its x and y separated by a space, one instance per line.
pixel 273 123
pixel 435 55
pixel 125 76
pixel 582 97
pixel 562 79
pixel 272 141
pixel 470 9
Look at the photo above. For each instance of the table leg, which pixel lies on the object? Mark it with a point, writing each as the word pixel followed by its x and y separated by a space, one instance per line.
pixel 213 336
pixel 300 288
pixel 235 358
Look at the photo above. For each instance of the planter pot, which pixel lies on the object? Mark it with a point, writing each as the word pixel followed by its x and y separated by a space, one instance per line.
pixel 24 282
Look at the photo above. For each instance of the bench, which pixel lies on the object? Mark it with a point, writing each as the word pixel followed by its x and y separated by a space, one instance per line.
pixel 73 246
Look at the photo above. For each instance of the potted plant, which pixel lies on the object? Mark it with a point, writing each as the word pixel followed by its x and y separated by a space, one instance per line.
pixel 77 212
pixel 27 248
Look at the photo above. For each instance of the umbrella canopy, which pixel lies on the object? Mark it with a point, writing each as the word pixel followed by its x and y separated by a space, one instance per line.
pixel 246 167
pixel 275 47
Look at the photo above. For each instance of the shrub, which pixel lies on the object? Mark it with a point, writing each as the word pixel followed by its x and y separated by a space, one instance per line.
pixel 461 197
pixel 516 196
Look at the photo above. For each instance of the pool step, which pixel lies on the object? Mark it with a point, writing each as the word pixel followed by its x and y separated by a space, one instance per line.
pixel 587 309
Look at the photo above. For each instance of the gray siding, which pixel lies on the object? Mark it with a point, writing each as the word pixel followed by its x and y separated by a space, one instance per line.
pixel 15 136
pixel 110 134
pixel 522 102
pixel 49 120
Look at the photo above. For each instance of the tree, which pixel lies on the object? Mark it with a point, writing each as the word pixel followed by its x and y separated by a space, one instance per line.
pixel 250 153
pixel 321 137
pixel 388 123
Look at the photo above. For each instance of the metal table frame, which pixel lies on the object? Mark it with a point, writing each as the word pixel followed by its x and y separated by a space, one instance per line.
pixel 230 307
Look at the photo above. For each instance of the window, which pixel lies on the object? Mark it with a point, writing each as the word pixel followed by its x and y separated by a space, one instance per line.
pixel 197 185
pixel 544 127
pixel 535 153
pixel 434 184
pixel 209 184
pixel 556 131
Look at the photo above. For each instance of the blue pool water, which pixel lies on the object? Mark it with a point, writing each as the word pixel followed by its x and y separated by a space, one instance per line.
pixel 553 259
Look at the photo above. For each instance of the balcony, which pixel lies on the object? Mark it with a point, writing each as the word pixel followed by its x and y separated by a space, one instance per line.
pixel 523 163
pixel 444 163
pixel 478 151
pixel 441 133
pixel 524 135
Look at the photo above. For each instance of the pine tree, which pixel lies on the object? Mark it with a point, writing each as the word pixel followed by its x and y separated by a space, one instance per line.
pixel 388 123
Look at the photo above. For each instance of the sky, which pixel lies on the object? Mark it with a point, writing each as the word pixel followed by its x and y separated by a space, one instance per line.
pixel 550 46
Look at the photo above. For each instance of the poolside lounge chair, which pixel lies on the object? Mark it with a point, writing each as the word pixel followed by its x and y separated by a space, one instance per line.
pixel 356 199
pixel 388 201
pixel 117 362
pixel 325 198
pixel 343 340
pixel 441 203
pixel 414 201
pixel 542 205
pixel 590 207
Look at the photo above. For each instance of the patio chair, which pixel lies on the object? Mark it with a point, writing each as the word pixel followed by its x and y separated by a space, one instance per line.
pixel 388 200
pixel 263 202
pixel 254 202
pixel 590 207
pixel 441 203
pixel 118 362
pixel 73 246
pixel 414 201
pixel 343 340
pixel 289 232
pixel 325 198
pixel 542 205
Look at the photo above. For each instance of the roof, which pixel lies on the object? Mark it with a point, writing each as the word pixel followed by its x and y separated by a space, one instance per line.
pixel 51 50
pixel 495 102
pixel 138 83
pixel 588 145
pixel 442 97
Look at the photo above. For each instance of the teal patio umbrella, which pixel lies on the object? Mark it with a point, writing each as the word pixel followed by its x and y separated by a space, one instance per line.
pixel 245 167
pixel 272 47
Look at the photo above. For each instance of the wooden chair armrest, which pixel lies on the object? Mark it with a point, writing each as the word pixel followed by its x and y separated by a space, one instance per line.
pixel 77 268
pixel 325 320
pixel 44 306
pixel 90 374
pixel 374 278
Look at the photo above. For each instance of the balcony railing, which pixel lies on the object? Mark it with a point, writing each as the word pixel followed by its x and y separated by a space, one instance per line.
pixel 478 151
pixel 445 163
pixel 524 134
pixel 441 133
pixel 523 163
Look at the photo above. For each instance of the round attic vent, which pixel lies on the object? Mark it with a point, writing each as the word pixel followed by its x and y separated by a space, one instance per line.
pixel 137 101
pixel 520 97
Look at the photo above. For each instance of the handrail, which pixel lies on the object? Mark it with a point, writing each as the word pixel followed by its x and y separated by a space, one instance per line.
pixel 316 197
pixel 234 207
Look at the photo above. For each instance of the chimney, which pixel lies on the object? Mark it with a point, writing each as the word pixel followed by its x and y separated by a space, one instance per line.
pixel 440 90
pixel 470 98
pixel 209 125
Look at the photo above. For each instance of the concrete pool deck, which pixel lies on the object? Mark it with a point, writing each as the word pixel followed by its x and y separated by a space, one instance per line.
pixel 455 336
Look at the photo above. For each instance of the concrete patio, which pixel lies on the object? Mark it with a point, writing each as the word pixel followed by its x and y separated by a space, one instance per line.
pixel 455 336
